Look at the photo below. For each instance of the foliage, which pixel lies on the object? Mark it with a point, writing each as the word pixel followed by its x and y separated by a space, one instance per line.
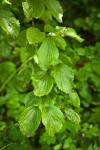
pixel 47 70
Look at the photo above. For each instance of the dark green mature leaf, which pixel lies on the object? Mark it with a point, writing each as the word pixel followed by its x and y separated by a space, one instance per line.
pixel 9 23
pixel 53 119
pixel 74 99
pixel 33 8
pixel 72 115
pixel 30 120
pixel 64 76
pixel 24 75
pixel 72 33
pixel 47 54
pixel 55 9
pixel 34 35
pixel 43 83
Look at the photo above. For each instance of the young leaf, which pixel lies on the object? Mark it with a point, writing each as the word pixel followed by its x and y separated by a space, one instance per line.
pixel 33 8
pixel 64 76
pixel 24 75
pixel 74 99
pixel 47 54
pixel 53 119
pixel 30 120
pixel 9 23
pixel 55 9
pixel 43 83
pixel 34 35
pixel 72 33
pixel 72 115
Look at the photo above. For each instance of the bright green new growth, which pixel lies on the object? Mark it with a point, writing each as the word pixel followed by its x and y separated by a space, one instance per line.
pixel 49 69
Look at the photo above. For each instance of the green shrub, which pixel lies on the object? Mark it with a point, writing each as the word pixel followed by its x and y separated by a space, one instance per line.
pixel 49 75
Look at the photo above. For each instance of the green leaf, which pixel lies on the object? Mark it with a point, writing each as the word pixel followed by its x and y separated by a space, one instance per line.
pixel 65 59
pixel 6 1
pixel 72 115
pixel 31 49
pixel 74 99
pixel 64 76
pixel 16 3
pixel 30 120
pixel 6 70
pixel 9 23
pixel 90 147
pixel 43 83
pixel 23 54
pixel 47 139
pixel 67 143
pixel 72 33
pixel 53 119
pixel 60 42
pixel 46 15
pixel 48 28
pixel 55 9
pixel 34 35
pixel 22 40
pixel 31 99
pixel 47 54
pixel 33 8
pixel 2 125
pixel 24 75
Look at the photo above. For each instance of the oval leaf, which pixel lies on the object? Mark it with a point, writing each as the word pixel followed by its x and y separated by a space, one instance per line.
pixel 43 83
pixel 60 42
pixel 9 23
pixel 53 119
pixel 34 35
pixel 74 99
pixel 72 33
pixel 55 9
pixel 64 76
pixel 33 8
pixel 22 40
pixel 30 120
pixel 72 115
pixel 31 99
pixel 47 54
pixel 24 75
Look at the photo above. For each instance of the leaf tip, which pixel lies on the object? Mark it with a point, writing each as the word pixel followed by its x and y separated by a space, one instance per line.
pixel 60 17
